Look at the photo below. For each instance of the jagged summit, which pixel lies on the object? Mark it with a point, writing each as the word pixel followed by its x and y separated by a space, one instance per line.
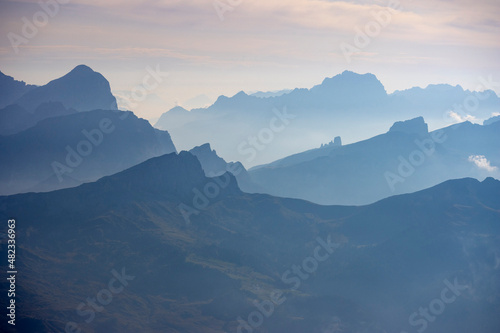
pixel 172 175
pixel 240 94
pixel 352 82
pixel 11 89
pixel 414 126
pixel 491 120
pixel 336 142
pixel 212 164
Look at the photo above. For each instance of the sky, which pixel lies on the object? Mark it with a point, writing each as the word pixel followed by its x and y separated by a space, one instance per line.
pixel 220 47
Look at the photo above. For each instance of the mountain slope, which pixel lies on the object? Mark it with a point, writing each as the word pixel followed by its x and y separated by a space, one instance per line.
pixel 213 166
pixel 65 151
pixel 406 159
pixel 15 119
pixel 11 89
pixel 388 259
pixel 256 130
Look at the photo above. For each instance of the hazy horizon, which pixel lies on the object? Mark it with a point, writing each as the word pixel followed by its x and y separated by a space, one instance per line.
pixel 256 46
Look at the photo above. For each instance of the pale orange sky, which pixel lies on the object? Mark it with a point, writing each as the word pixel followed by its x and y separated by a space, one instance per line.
pixel 259 45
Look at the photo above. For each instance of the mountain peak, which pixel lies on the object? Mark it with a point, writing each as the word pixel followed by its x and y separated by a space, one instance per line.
pixel 178 109
pixel 211 163
pixel 240 94
pixel 205 146
pixel 349 76
pixel 171 174
pixel 491 180
pixel 353 86
pixel 82 89
pixel 11 89
pixel 491 120
pixel 82 69
pixel 203 149
pixel 412 126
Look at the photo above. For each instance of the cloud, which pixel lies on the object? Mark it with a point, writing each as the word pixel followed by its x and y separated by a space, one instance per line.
pixel 460 119
pixel 481 162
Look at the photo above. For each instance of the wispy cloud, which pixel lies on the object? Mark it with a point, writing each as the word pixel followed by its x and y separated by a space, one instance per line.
pixel 481 162
pixel 460 119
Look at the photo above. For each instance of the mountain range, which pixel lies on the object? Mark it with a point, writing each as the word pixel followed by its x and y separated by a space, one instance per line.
pixel 118 255
pixel 23 105
pixel 354 106
pixel 66 151
pixel 11 89
pixel 117 232
pixel 406 159
pixel 68 132
pixel 213 165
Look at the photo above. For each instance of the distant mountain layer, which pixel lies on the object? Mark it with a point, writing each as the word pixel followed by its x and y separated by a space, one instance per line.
pixel 406 159
pixel 213 166
pixel 256 129
pixel 81 89
pixel 65 151
pixel 162 248
pixel 14 118
pixel 11 89
pixel 266 94
pixel 491 120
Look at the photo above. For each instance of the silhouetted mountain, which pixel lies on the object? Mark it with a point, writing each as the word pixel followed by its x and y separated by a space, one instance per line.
pixel 412 126
pixel 123 243
pixel 213 166
pixel 447 97
pixel 404 160
pixel 65 151
pixel 11 89
pixel 349 90
pixel 81 89
pixel 491 120
pixel 351 105
pixel 14 118
pixel 323 150
pixel 266 94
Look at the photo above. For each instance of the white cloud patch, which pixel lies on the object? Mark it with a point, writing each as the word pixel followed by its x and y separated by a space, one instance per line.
pixel 481 162
pixel 460 119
